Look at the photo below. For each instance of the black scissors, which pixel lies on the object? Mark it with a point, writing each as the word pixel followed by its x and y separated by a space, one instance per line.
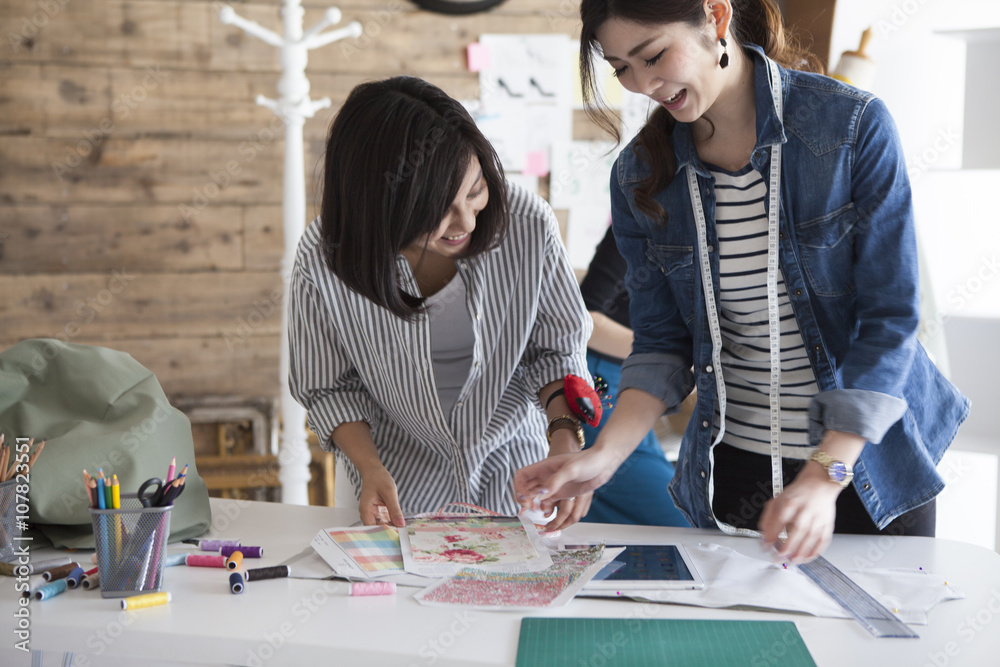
pixel 152 497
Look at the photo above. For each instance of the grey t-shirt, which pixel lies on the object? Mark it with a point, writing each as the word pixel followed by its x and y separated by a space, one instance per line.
pixel 452 341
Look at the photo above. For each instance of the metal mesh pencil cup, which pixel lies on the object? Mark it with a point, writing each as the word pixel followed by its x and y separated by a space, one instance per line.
pixel 10 530
pixel 131 546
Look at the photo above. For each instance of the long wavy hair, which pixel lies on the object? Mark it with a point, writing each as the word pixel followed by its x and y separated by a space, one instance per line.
pixel 754 22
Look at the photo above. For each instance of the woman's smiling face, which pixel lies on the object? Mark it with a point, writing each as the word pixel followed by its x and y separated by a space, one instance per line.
pixel 673 64
pixel 451 238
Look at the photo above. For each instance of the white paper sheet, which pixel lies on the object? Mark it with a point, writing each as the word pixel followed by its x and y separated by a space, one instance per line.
pixel 733 579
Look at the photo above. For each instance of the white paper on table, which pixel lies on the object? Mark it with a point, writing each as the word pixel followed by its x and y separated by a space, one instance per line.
pixel 563 598
pixel 308 564
pixel 734 579
pixel 534 562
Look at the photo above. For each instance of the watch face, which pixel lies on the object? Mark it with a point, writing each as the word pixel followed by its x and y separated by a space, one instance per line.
pixel 838 471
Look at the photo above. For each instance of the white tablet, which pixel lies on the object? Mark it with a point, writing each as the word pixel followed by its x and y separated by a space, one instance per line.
pixel 649 567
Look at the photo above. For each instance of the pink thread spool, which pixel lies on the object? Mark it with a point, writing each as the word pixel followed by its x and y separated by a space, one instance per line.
pixel 197 560
pixel 357 588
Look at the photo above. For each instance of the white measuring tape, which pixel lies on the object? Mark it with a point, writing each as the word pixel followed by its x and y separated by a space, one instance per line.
pixel 773 320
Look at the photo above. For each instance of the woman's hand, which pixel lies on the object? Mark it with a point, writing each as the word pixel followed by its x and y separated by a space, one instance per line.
pixel 563 476
pixel 379 501
pixel 572 509
pixel 806 510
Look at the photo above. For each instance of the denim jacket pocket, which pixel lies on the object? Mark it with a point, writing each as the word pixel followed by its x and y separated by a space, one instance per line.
pixel 826 247
pixel 677 264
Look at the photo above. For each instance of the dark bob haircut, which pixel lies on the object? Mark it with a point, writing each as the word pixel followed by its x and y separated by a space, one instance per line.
pixel 397 154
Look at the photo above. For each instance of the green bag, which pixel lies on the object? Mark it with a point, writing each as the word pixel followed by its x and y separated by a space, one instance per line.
pixel 95 408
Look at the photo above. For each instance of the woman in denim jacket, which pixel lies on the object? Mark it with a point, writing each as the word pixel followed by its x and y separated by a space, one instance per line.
pixel 820 270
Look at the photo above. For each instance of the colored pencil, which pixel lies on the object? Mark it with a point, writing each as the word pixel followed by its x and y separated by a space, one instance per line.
pixel 34 457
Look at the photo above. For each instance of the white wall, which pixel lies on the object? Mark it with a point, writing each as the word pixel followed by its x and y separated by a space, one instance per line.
pixel 924 53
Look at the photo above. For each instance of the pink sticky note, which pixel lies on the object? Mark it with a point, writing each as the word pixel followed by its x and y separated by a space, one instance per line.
pixel 536 163
pixel 478 56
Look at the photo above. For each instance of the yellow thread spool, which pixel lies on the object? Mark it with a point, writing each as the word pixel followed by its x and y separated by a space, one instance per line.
pixel 148 600
pixel 234 560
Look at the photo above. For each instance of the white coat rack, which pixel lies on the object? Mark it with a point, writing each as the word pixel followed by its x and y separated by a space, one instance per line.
pixel 293 106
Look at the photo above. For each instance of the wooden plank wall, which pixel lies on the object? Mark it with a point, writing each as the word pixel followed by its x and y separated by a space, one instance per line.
pixel 115 114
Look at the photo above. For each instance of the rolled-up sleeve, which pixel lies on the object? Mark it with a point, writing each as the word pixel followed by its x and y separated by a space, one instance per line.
pixel 321 377
pixel 557 345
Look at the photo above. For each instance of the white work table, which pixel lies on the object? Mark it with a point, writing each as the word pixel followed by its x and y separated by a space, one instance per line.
pixel 299 622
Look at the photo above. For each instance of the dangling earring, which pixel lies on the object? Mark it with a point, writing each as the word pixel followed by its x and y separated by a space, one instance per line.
pixel 724 60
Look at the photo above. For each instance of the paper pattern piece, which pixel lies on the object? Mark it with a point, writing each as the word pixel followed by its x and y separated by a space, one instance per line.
pixel 735 579
pixel 367 552
pixel 553 586
pixel 441 546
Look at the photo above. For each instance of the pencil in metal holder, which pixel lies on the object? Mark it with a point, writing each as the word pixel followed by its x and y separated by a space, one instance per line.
pixel 10 525
pixel 131 547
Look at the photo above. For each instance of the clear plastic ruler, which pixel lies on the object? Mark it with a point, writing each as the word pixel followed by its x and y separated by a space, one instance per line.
pixel 865 609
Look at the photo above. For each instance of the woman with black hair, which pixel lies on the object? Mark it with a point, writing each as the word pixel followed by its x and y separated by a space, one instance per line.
pixel 765 215
pixel 433 311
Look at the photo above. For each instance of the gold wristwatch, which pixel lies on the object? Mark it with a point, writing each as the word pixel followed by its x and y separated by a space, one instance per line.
pixel 567 422
pixel 840 473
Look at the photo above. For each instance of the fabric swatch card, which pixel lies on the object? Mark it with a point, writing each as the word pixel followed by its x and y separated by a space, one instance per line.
pixel 371 551
pixel 440 546
pixel 553 586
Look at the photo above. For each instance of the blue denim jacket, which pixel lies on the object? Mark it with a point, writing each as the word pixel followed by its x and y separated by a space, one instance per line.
pixel 847 252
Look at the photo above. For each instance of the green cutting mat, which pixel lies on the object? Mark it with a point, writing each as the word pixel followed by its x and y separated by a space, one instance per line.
pixel 623 642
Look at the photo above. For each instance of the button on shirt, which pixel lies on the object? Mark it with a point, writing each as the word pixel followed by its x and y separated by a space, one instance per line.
pixel 354 361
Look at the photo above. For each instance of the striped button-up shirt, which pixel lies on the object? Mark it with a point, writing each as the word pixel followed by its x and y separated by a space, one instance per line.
pixel 354 361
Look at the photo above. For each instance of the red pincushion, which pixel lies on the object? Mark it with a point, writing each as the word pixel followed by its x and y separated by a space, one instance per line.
pixel 583 400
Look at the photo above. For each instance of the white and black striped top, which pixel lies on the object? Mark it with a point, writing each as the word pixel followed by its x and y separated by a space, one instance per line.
pixel 354 361
pixel 741 224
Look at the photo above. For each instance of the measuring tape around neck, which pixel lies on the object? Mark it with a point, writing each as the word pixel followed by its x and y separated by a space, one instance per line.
pixel 773 320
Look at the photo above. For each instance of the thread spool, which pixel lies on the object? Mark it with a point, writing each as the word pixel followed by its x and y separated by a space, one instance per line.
pixel 234 560
pixel 196 560
pixel 51 590
pixel 216 545
pixel 173 560
pixel 33 585
pixel 236 584
pixel 358 588
pixel 74 577
pixel 147 600
pixel 91 582
pixel 856 67
pixel 248 552
pixel 60 572
pixel 42 566
pixel 275 572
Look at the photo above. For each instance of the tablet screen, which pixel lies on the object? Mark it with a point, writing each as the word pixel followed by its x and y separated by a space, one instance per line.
pixel 647 562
